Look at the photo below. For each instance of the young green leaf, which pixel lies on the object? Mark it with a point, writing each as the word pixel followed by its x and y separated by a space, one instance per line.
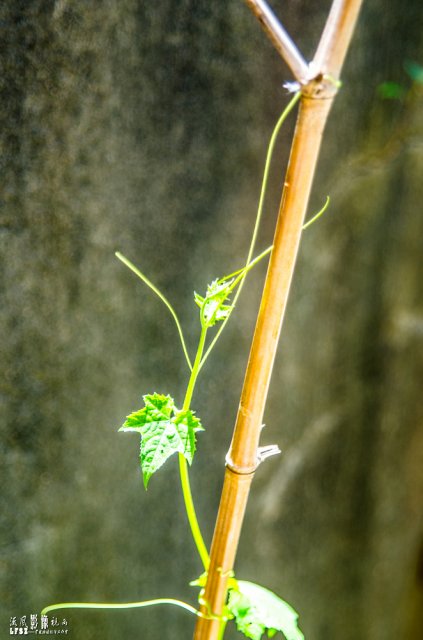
pixel 164 431
pixel 257 610
pixel 212 307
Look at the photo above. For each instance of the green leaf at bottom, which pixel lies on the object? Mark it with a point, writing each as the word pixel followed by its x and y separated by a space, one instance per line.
pixel 257 610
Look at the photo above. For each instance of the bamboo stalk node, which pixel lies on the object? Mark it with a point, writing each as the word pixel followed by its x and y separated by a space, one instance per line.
pixel 262 454
pixel 322 87
pixel 239 469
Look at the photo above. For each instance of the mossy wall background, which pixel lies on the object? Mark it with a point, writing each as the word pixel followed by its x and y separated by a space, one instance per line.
pixel 142 127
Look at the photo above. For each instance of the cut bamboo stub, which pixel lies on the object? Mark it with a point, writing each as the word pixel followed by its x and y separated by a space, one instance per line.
pixel 242 459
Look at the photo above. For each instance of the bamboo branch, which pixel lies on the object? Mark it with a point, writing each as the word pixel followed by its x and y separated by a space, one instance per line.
pixel 338 30
pixel 281 40
pixel 242 458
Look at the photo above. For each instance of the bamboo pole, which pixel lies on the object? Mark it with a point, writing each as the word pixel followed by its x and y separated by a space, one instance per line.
pixel 242 459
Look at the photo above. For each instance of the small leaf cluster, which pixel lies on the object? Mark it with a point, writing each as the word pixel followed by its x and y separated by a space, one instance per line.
pixel 164 430
pixel 212 306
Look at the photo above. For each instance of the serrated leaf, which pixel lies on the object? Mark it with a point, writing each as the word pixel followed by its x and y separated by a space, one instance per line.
pixel 158 408
pixel 187 425
pixel 164 431
pixel 159 440
pixel 212 305
pixel 159 405
pixel 257 610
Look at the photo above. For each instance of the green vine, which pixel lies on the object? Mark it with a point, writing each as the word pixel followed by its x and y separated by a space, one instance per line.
pixel 166 430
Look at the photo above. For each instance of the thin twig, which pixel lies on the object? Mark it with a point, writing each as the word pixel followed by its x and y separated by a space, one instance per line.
pixel 339 28
pixel 281 40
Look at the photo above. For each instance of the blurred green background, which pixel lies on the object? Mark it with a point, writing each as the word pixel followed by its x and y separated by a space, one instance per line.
pixel 142 127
